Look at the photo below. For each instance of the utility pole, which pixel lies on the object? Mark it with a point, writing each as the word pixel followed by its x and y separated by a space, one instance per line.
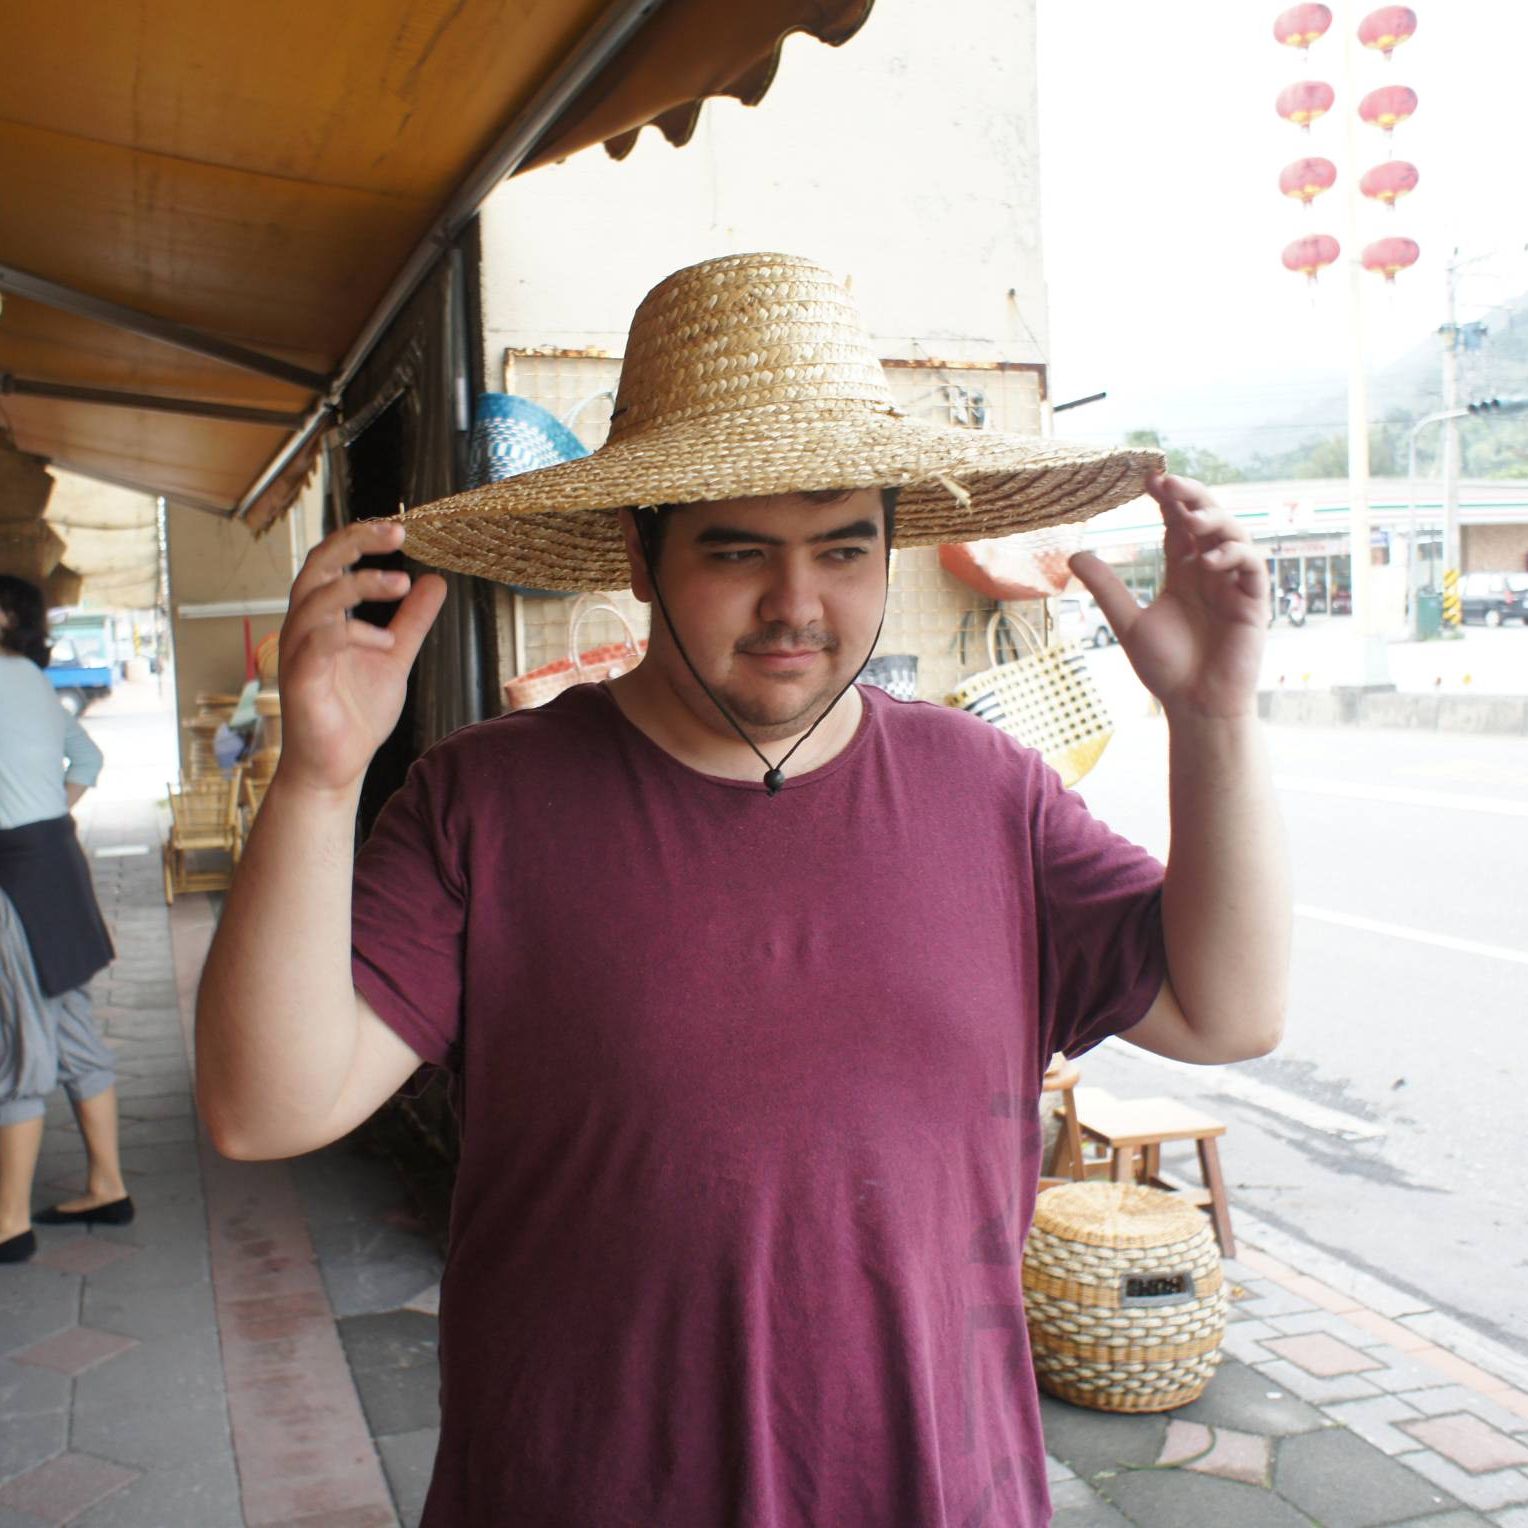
pixel 1450 333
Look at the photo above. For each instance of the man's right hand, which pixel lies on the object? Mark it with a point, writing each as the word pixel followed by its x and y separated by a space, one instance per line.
pixel 343 681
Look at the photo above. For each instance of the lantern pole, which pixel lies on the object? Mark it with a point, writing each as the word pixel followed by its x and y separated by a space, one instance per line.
pixel 1373 668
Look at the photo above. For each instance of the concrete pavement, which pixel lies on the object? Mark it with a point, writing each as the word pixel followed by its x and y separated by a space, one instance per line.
pixel 259 1346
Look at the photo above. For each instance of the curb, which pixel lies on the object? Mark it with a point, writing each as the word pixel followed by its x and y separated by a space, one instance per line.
pixel 1379 706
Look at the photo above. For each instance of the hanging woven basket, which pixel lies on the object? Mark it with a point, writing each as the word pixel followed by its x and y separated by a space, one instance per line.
pixel 1124 1297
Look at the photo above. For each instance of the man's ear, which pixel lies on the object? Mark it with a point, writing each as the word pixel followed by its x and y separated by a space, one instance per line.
pixel 641 584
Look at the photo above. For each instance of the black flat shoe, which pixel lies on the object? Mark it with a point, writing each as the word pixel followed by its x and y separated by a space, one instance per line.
pixel 17 1249
pixel 118 1213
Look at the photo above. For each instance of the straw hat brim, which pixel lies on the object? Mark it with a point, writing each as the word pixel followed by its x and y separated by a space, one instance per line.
pixel 556 528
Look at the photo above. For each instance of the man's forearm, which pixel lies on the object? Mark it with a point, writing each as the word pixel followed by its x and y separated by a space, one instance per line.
pixel 1226 902
pixel 276 1020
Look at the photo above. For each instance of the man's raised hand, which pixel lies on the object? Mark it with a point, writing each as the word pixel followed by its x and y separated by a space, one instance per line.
pixel 1199 645
pixel 343 681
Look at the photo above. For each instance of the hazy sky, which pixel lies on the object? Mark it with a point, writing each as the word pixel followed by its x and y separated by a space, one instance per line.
pixel 1160 153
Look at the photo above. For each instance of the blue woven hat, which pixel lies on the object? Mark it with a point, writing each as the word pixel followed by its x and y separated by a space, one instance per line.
pixel 511 435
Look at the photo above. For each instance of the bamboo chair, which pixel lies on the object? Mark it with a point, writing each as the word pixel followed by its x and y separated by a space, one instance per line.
pixel 251 797
pixel 204 821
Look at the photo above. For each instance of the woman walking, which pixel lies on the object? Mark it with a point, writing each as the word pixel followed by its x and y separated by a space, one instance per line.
pixel 52 939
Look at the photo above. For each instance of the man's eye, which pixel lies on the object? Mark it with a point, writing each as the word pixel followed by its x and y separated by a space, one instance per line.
pixel 848 553
pixel 744 554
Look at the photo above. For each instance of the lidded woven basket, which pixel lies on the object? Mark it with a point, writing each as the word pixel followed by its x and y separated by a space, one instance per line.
pixel 1124 1296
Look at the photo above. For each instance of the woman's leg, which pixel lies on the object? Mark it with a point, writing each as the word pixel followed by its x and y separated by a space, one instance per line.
pixel 97 1119
pixel 88 1072
pixel 19 1144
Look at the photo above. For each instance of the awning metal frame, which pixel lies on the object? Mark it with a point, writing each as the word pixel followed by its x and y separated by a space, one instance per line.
pixel 621 20
pixel 229 413
pixel 53 294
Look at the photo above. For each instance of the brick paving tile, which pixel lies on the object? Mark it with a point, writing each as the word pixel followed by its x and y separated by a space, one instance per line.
pixel 1217 1451
pixel 1374 1421
pixel 1513 1400
pixel 1486 1493
pixel 1322 1355
pixel 1445 1399
pixel 84 1254
pixel 64 1487
pixel 75 1351
pixel 1455 1368
pixel 1261 1263
pixel 1393 1332
pixel 1322 1294
pixel 1472 1444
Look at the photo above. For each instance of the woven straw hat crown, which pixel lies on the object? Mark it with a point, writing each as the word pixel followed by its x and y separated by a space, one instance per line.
pixel 750 332
pixel 752 376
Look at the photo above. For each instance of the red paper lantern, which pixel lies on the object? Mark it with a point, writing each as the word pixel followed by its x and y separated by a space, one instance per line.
pixel 1304 102
pixel 1306 179
pixel 1389 182
pixel 1389 106
pixel 1387 28
pixel 1311 254
pixel 1301 25
pixel 1389 256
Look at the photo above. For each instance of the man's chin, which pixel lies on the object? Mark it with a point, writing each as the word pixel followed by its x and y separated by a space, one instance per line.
pixel 771 717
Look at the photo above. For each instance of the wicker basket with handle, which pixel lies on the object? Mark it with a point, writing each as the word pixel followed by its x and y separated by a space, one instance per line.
pixel 589 667
pixel 1045 698
pixel 1124 1296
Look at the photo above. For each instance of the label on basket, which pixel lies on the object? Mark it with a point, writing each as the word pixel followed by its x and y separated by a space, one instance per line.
pixel 1137 1289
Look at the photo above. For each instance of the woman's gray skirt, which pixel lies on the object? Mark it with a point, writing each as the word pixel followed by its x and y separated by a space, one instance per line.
pixel 45 1042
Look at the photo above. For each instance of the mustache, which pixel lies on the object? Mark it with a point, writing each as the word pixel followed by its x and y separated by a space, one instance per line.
pixel 789 639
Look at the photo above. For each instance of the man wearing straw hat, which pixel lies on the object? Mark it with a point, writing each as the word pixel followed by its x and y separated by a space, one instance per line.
pixel 747 977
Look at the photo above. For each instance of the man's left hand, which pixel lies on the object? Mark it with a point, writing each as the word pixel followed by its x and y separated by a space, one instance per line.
pixel 1199 645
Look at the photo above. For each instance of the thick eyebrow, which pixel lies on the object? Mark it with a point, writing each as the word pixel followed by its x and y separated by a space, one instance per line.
pixel 728 535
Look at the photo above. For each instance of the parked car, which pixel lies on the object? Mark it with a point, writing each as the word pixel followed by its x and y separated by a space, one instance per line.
pixel 1494 597
pixel 1079 619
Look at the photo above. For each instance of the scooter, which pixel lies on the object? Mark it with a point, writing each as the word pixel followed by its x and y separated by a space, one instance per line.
pixel 1291 604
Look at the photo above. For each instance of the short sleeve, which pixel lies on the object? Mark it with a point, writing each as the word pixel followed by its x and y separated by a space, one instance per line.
pixel 84 757
pixel 408 916
pixel 1103 960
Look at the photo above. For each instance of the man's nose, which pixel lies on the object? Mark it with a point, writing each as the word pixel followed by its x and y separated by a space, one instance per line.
pixel 792 597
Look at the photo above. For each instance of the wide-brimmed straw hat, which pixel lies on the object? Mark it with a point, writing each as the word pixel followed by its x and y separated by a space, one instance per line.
pixel 748 376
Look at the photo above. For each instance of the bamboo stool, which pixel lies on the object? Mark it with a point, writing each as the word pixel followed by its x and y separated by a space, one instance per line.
pixel 1132 1128
pixel 1066 1164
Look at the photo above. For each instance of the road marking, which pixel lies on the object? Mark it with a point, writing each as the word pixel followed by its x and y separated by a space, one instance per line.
pixel 1265 1096
pixel 1415 935
pixel 1404 795
pixel 121 851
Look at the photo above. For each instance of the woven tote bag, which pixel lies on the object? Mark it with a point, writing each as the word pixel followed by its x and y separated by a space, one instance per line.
pixel 588 667
pixel 1045 698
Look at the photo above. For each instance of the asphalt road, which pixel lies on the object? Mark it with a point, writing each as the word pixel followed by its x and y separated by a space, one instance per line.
pixel 1389 1127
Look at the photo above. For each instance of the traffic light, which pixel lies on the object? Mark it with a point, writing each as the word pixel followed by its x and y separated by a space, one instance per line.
pixel 1492 406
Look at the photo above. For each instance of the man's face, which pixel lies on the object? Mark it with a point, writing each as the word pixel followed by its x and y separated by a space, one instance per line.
pixel 777 602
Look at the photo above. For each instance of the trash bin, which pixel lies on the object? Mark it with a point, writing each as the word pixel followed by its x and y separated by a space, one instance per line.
pixel 1429 614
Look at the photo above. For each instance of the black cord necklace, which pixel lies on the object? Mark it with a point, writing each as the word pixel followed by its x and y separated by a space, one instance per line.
pixel 774 774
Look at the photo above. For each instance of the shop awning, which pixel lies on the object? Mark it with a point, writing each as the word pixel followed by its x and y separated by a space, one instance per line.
pixel 210 208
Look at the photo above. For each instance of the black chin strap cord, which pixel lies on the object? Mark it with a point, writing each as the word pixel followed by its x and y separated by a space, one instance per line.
pixel 774 774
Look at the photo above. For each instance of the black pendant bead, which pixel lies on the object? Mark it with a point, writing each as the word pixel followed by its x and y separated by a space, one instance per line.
pixel 774 781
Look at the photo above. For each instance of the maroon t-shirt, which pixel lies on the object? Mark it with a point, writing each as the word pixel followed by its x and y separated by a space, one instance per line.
pixel 749 1100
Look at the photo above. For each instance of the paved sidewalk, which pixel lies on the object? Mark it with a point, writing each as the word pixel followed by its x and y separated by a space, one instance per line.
pixel 259 1346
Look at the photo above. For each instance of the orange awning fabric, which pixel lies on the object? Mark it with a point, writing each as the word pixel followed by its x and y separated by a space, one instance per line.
pixel 258 176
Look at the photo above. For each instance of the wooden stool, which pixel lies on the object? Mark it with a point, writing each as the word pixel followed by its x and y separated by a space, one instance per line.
pixel 1066 1164
pixel 1127 1126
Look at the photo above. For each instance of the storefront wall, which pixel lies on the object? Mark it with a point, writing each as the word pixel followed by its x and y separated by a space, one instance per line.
pixel 219 574
pixel 953 295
